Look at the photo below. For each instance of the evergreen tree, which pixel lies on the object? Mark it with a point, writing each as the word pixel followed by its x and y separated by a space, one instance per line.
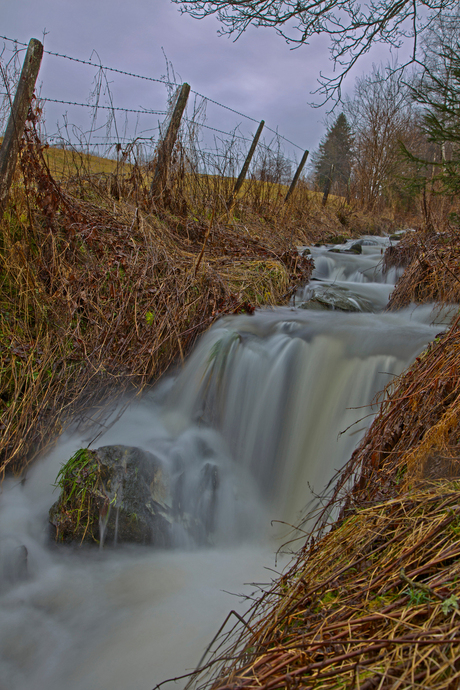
pixel 437 90
pixel 335 150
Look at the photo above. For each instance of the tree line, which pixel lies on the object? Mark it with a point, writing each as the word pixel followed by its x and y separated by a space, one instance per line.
pixel 396 141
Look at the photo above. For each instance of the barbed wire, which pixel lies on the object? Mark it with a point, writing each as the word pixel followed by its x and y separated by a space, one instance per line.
pixel 220 131
pixel 13 40
pixel 110 69
pixel 240 136
pixel 160 81
pixel 108 144
pixel 104 107
pixel 227 107
pixel 284 138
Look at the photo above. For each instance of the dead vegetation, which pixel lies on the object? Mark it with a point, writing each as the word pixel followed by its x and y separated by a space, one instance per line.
pixel 101 291
pixel 374 604
pixel 431 260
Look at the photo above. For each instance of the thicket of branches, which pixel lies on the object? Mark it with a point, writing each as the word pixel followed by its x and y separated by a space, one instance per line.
pixel 353 27
pixel 401 145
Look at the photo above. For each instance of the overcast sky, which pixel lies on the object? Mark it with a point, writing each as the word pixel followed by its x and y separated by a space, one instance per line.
pixel 258 74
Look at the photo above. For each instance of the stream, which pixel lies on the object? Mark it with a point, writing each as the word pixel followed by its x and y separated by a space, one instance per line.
pixel 263 399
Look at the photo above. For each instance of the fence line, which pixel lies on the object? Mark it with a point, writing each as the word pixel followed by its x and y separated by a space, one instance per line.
pixel 104 107
pixel 153 79
pixel 13 40
pixel 207 159
pixel 109 144
pixel 220 131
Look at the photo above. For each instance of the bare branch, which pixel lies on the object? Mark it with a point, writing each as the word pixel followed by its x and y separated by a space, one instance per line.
pixel 353 27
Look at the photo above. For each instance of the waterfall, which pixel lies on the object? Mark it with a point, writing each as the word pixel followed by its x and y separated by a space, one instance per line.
pixel 266 409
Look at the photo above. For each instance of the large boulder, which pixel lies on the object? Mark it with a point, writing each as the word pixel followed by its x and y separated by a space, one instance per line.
pixel 123 494
pixel 115 494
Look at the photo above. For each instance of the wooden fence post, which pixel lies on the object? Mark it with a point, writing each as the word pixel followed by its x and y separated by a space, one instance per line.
pixel 327 186
pixel 297 175
pixel 15 127
pixel 165 148
pixel 244 169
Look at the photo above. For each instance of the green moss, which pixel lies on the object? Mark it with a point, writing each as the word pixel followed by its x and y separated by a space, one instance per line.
pixel 79 481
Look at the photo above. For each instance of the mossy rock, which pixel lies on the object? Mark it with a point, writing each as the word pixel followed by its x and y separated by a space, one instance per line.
pixel 115 494
pixel 336 239
pixel 355 248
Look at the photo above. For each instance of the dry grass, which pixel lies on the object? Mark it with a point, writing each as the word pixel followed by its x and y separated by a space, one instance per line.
pixel 374 604
pixel 431 260
pixel 65 163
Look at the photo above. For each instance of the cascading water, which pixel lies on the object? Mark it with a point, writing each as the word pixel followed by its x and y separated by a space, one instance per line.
pixel 259 406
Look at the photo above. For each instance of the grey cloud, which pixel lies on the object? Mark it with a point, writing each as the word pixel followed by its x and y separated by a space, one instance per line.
pixel 258 75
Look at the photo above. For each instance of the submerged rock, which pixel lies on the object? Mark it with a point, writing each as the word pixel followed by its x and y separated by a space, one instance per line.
pixel 336 297
pixel 13 562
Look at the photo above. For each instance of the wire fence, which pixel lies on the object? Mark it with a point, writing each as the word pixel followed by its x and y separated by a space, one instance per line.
pixel 94 118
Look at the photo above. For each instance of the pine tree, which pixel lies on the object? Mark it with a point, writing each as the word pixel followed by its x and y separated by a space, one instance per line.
pixel 437 90
pixel 335 150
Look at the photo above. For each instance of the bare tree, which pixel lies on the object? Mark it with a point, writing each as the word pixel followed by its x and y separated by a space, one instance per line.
pixel 353 26
pixel 381 117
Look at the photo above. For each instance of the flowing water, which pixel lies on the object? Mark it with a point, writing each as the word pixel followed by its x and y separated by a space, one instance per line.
pixel 262 400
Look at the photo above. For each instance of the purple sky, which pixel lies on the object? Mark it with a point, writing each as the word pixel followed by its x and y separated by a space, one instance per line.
pixel 258 75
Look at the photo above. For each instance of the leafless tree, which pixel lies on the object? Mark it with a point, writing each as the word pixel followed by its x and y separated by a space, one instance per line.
pixel 353 26
pixel 382 117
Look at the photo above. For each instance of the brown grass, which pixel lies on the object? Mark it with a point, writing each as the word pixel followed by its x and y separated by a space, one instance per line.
pixel 431 260
pixel 373 605
pixel 101 291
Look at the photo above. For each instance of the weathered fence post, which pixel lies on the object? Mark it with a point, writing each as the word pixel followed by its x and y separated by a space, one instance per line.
pixel 244 169
pixel 327 186
pixel 297 175
pixel 165 148
pixel 15 127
